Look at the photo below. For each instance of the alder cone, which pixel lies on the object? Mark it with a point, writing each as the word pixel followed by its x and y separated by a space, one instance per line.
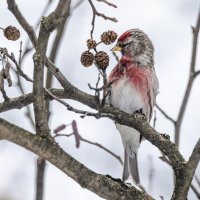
pixel 108 37
pixel 101 60
pixel 87 58
pixel 91 44
pixel 11 33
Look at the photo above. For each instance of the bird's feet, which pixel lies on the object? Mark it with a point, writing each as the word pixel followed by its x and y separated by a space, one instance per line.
pixel 138 114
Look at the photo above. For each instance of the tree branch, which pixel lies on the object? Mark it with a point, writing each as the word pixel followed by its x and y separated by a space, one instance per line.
pixel 165 114
pixel 183 181
pixel 40 177
pixel 101 185
pixel 48 24
pixel 159 140
pixel 192 76
pixel 12 6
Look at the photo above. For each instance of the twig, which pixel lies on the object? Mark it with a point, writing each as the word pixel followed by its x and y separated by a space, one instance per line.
pixel 182 185
pixel 105 91
pixel 12 6
pixel 92 143
pixel 21 89
pixel 27 49
pixel 104 148
pixel 197 180
pixel 115 55
pixel 20 55
pixel 195 191
pixel 99 184
pixel 48 24
pixel 93 18
pixel 96 13
pixel 106 17
pixel 49 77
pixel 12 58
pixel 70 108
pixel 192 76
pixel 108 3
pixel 40 177
pixel 197 73
pixel 96 90
pixel 165 114
pixel 53 54
pixel 6 98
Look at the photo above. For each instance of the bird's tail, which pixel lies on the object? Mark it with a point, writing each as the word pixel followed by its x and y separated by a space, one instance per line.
pixel 131 167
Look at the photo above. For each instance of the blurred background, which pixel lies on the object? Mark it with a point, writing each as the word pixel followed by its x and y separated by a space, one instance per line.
pixel 168 24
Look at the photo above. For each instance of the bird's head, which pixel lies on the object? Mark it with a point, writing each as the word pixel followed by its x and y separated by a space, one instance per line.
pixel 136 44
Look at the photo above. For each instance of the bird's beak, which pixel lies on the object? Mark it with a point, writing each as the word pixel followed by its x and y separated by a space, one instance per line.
pixel 116 48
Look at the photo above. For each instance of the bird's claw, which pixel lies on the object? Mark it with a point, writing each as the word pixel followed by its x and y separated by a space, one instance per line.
pixel 138 114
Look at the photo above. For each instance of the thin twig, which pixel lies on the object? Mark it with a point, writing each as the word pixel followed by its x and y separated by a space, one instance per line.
pixel 197 180
pixel 104 148
pixel 108 3
pixel 96 13
pixel 197 73
pixel 196 191
pixel 6 98
pixel 115 55
pixel 12 58
pixel 70 108
pixel 192 76
pixel 53 54
pixel 165 114
pixel 94 144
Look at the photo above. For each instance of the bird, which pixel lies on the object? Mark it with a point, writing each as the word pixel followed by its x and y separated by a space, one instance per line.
pixel 133 88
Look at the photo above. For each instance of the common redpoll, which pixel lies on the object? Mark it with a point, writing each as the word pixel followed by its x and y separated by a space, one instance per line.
pixel 134 88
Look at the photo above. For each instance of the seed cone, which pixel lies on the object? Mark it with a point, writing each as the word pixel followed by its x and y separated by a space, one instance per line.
pixel 91 44
pixel 87 58
pixel 11 33
pixel 108 37
pixel 101 60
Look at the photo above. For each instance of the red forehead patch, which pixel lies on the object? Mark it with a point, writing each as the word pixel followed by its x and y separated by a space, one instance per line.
pixel 124 36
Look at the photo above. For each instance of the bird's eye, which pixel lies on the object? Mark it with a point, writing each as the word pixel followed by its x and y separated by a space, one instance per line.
pixel 123 45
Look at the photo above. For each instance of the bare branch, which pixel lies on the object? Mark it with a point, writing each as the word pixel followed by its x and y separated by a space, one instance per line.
pixel 96 13
pixel 12 6
pixel 19 70
pixel 197 180
pixel 183 184
pixel 92 143
pixel 163 143
pixel 53 54
pixel 6 98
pixel 165 114
pixel 192 76
pixel 108 3
pixel 27 49
pixel 115 55
pixel 48 24
pixel 196 73
pixel 102 185
pixel 196 191
pixel 40 177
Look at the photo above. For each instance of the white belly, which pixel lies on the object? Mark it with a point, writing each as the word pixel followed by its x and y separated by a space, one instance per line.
pixel 125 97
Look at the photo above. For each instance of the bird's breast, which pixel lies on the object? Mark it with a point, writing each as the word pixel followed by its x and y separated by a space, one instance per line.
pixel 130 90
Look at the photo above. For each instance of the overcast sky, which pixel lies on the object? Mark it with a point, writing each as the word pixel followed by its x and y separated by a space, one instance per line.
pixel 168 24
